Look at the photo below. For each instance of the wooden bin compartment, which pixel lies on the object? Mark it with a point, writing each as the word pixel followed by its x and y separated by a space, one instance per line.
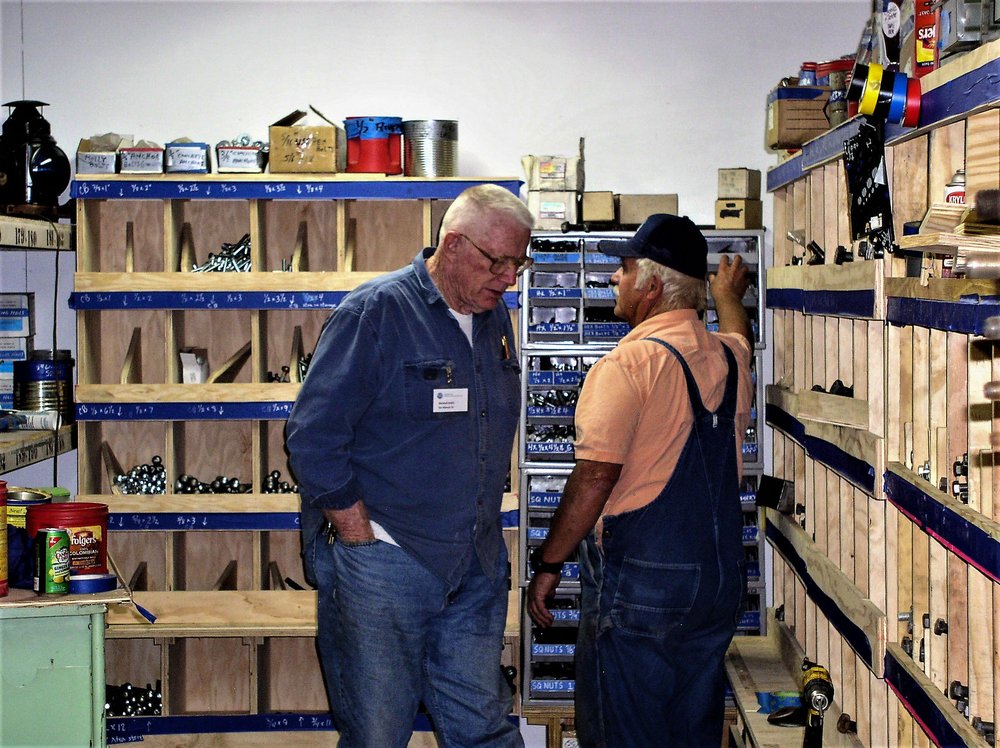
pixel 290 678
pixel 121 236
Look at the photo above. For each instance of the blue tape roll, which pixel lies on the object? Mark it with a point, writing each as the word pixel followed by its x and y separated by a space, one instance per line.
pixel 88 584
pixel 898 104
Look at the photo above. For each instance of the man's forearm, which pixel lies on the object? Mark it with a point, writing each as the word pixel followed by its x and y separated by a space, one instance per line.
pixel 586 493
pixel 733 317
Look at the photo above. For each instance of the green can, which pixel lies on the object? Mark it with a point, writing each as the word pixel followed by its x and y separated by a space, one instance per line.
pixel 52 561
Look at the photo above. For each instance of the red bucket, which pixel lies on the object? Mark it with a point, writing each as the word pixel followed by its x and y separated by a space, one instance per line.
pixel 88 532
pixel 374 144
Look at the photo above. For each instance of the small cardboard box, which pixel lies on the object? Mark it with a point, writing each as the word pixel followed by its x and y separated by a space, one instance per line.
pixel 247 159
pixel 739 183
pixel 553 173
pixel 184 157
pixel 795 115
pixel 99 154
pixel 598 207
pixel 311 149
pixel 552 209
pixel 17 315
pixel 141 160
pixel 634 209
pixel 739 214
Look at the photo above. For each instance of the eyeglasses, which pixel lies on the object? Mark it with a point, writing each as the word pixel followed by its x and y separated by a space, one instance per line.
pixel 500 264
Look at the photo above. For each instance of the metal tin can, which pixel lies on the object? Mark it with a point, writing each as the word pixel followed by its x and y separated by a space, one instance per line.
pixel 51 561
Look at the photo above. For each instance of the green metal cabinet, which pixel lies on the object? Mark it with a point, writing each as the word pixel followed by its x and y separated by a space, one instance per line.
pixel 52 669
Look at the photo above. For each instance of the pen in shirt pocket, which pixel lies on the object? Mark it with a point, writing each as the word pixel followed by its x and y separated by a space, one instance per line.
pixel 504 348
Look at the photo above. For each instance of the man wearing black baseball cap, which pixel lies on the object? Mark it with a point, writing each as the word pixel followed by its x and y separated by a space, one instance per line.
pixel 655 498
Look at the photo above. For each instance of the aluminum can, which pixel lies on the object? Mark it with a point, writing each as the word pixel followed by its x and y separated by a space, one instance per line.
pixel 51 561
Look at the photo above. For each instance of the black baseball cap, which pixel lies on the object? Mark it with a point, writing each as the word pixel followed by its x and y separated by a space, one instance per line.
pixel 673 241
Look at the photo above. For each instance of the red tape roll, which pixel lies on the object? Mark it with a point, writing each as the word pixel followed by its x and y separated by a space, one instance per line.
pixel 911 115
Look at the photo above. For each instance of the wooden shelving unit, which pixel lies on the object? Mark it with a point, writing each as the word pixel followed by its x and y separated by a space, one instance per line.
pixel 223 618
pixel 888 572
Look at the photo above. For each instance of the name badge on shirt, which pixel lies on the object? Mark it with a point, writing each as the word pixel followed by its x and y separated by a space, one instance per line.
pixel 454 400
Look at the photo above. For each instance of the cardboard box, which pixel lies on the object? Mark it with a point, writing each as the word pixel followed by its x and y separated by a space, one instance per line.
pixel 141 160
pixel 246 159
pixel 99 154
pixel 17 315
pixel 795 115
pixel 552 209
pixel 739 214
pixel 597 207
pixel 311 149
pixel 184 157
pixel 553 173
pixel 14 349
pixel 739 183
pixel 634 209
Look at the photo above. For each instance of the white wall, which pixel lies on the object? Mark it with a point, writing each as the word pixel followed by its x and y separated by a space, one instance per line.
pixel 665 93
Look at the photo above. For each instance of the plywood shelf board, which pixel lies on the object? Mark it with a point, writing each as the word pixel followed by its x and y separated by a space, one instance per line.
pixel 858 620
pixel 221 284
pixel 22 448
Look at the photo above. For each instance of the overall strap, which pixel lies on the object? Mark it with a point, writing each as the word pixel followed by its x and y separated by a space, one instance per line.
pixel 727 408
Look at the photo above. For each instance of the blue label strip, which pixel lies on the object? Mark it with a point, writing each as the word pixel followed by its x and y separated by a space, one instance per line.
pixel 853 634
pixel 186 521
pixel 966 315
pixel 919 704
pixel 950 528
pixel 156 411
pixel 857 471
pixel 554 293
pixel 108 300
pixel 278 189
pixel 858 304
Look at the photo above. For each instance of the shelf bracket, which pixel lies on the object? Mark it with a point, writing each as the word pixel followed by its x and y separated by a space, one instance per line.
pixel 300 254
pixel 228 371
pixel 131 372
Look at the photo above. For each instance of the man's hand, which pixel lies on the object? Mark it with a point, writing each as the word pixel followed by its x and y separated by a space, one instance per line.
pixel 352 524
pixel 542 587
pixel 732 280
pixel 728 287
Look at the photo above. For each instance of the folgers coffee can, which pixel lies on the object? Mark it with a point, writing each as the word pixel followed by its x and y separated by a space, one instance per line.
pixel 52 561
pixel 87 524
pixel 3 539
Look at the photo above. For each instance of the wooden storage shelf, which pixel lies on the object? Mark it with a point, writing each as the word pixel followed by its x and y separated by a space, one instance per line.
pixel 211 567
pixel 858 620
pixel 926 561
pixel 854 289
pixel 19 449
pixel 769 663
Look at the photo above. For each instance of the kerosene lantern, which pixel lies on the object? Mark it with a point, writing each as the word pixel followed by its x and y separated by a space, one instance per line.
pixel 34 171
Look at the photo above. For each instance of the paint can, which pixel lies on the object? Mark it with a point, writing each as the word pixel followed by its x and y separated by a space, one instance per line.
pixel 430 148
pixel 18 501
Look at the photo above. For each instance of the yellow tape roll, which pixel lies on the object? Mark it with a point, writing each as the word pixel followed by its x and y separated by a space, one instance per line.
pixel 870 97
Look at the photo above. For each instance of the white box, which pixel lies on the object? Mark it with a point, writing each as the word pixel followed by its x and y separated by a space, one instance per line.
pixel 17 315
pixel 552 209
pixel 15 349
pixel 553 173
pixel 187 158
pixel 141 160
pixel 739 183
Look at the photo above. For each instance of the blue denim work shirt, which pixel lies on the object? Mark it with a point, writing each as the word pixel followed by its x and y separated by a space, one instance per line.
pixel 364 427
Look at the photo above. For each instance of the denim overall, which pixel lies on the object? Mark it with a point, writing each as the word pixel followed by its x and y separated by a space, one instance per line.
pixel 661 598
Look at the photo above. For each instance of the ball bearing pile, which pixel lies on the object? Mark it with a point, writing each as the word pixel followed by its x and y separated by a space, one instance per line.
pixel 189 484
pixel 274 484
pixel 127 700
pixel 231 258
pixel 144 479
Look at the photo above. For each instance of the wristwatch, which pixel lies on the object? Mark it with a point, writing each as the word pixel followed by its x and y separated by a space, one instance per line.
pixel 538 566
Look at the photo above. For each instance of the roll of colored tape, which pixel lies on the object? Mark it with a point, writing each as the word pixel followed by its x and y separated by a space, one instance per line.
pixel 857 85
pixel 884 99
pixel 88 584
pixel 912 114
pixel 872 85
pixel 898 105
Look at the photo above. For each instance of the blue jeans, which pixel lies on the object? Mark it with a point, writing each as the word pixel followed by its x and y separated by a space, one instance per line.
pixel 392 634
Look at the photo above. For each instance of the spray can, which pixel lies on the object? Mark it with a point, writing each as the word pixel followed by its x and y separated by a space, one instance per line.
pixel 954 191
pixel 51 561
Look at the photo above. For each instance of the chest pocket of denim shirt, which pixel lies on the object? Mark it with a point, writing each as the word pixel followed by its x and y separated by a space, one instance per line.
pixel 420 379
pixel 511 384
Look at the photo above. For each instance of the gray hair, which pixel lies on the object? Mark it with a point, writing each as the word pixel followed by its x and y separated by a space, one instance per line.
pixel 486 198
pixel 680 291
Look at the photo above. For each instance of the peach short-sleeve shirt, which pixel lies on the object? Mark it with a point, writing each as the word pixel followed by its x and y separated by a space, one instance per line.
pixel 634 408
